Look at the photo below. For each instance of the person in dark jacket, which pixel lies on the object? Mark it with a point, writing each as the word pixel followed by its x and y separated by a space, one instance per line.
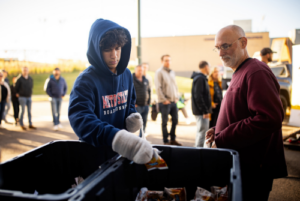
pixel 8 104
pixel 15 100
pixel 143 93
pixel 24 86
pixel 56 87
pixel 201 102
pixel 102 102
pixel 4 95
pixel 251 115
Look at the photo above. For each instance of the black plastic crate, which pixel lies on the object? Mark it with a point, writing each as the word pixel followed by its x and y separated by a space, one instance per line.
pixel 188 167
pixel 51 170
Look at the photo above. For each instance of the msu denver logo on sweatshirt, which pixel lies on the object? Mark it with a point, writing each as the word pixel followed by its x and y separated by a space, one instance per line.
pixel 112 103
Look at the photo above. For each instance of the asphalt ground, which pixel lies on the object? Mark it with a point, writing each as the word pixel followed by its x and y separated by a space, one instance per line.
pixel 14 141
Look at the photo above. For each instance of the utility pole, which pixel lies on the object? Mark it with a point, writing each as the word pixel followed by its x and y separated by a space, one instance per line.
pixel 138 38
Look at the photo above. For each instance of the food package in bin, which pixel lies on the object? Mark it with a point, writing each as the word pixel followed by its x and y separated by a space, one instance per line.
pixel 203 195
pixel 146 195
pixel 156 162
pixel 175 194
pixel 169 194
pixel 221 194
pixel 155 196
pixel 142 196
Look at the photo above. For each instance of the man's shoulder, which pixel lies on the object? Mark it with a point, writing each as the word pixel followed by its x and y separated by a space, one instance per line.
pixel 255 66
pixel 159 70
pixel 198 77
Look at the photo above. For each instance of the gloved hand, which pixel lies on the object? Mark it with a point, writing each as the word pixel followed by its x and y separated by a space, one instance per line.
pixel 132 147
pixel 134 122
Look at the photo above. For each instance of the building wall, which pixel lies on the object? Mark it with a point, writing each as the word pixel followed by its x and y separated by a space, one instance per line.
pixel 187 51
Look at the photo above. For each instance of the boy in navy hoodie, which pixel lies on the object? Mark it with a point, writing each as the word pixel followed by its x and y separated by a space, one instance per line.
pixel 102 102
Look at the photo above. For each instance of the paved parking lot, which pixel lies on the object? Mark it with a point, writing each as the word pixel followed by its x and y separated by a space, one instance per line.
pixel 13 142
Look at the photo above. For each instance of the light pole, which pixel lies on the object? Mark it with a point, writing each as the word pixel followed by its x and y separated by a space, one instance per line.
pixel 138 38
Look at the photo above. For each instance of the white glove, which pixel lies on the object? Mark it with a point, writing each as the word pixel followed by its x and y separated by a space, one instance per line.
pixel 134 122
pixel 132 147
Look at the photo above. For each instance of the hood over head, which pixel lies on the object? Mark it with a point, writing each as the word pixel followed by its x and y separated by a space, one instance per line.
pixel 94 54
pixel 195 74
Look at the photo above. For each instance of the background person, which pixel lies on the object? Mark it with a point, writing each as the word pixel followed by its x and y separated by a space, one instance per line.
pixel 15 100
pixel 102 102
pixel 4 95
pixel 167 94
pixel 143 94
pixel 24 86
pixel 56 88
pixel 8 104
pixel 201 102
pixel 251 115
pixel 147 76
pixel 266 55
pixel 215 88
pixel 181 107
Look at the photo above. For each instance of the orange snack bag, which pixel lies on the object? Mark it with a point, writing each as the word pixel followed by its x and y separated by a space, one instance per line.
pixel 156 162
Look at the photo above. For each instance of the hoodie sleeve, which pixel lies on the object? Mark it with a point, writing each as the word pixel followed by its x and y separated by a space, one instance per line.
pixel 87 126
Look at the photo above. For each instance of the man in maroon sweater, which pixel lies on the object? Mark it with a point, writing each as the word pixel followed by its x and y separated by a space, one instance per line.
pixel 250 116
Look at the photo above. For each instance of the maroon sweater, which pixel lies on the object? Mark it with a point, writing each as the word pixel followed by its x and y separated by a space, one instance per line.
pixel 251 117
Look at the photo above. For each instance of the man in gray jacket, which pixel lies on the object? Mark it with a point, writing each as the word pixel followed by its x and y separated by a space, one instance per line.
pixel 167 94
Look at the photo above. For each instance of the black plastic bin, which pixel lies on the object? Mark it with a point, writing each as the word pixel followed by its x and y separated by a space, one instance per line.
pixel 188 167
pixel 50 170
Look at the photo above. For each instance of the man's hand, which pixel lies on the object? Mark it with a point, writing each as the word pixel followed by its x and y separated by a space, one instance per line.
pixel 17 95
pixel 210 135
pixel 166 102
pixel 136 105
pixel 132 147
pixel 206 116
pixel 62 96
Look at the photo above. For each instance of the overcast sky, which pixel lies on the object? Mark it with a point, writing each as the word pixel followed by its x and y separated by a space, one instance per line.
pixel 63 26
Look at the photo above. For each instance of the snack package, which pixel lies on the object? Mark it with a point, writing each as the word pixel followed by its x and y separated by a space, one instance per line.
pixel 156 162
pixel 206 144
pixel 155 196
pixel 146 195
pixel 175 194
pixel 221 194
pixel 142 196
pixel 203 195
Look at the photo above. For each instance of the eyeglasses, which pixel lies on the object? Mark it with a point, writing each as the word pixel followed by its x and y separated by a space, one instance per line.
pixel 224 46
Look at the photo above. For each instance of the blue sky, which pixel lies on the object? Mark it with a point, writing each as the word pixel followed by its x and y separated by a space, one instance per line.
pixel 63 26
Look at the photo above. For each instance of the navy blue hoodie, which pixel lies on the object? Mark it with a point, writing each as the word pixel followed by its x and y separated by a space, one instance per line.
pixel 101 100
